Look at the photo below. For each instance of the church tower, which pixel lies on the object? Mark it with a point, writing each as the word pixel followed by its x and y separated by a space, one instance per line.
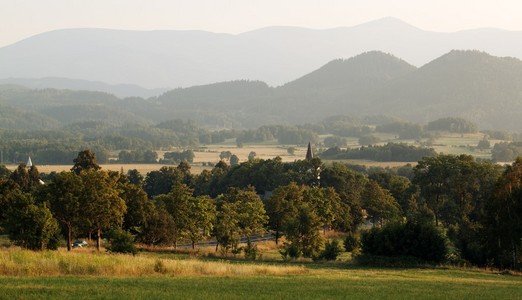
pixel 309 152
pixel 29 163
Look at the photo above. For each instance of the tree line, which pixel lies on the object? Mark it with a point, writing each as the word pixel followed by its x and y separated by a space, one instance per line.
pixel 446 208
pixel 134 141
pixel 388 152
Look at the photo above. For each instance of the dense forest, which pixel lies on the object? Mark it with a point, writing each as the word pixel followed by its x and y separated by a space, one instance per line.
pixel 447 209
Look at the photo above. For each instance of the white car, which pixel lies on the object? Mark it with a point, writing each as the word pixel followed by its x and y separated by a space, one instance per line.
pixel 79 243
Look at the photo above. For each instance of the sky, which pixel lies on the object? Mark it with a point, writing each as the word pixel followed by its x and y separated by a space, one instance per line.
pixel 21 19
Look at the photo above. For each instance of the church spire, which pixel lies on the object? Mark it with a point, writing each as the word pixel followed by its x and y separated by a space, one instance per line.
pixel 309 152
pixel 29 163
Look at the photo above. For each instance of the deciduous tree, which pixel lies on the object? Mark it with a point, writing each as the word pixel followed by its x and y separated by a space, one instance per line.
pixel 202 215
pixel 86 160
pixel 29 225
pixel 64 195
pixel 101 203
pixel 379 204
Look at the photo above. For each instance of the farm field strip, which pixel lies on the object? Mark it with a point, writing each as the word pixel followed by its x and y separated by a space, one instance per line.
pixel 323 283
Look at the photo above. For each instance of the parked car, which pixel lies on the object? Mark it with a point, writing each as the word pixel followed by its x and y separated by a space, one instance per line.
pixel 79 243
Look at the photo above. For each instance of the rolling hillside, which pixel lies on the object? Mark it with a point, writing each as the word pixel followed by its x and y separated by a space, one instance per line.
pixel 473 85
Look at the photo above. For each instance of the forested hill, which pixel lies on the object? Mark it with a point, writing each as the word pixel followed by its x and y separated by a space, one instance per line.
pixel 470 84
pixel 484 89
pixel 49 108
pixel 340 87
pixel 348 74
pixel 119 90
pixel 474 85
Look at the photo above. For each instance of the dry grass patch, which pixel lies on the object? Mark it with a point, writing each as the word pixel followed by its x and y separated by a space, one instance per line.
pixel 16 262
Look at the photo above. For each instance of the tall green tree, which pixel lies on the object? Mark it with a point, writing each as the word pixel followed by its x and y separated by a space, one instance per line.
pixel 252 214
pixel 86 160
pixel 202 214
pixel 158 229
pixel 379 204
pixel 177 203
pixel 399 186
pixel 302 230
pixel 433 175
pixel 240 213
pixel 135 177
pixel 101 203
pixel 458 189
pixel 281 206
pixel 4 172
pixel 326 203
pixel 162 181
pixel 264 175
pixel 211 183
pixel 27 178
pixel 505 218
pixel 139 207
pixel 64 194
pixel 454 187
pixel 349 185
pixel 227 230
pixel 30 225
pixel 8 190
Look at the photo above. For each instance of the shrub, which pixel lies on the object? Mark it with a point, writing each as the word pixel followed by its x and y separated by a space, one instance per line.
pixel 331 251
pixel 250 250
pixel 290 251
pixel 121 242
pixel 159 267
pixel 352 243
pixel 414 239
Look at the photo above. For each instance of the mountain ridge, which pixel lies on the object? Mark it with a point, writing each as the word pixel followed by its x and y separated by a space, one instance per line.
pixel 474 85
pixel 119 90
pixel 275 55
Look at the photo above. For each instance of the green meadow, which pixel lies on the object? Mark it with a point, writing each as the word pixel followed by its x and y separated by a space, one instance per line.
pixel 88 275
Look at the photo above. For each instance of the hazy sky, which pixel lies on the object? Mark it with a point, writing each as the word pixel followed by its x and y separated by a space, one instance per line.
pixel 20 19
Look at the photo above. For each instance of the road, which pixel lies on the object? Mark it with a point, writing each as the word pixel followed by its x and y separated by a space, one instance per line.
pixel 255 238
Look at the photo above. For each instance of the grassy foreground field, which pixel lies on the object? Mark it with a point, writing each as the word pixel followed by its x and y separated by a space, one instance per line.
pixel 327 284
pixel 102 276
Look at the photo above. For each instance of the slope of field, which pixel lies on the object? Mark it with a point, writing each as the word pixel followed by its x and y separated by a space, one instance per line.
pixel 327 282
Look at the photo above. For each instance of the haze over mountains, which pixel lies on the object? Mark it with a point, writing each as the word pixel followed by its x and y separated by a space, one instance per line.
pixel 120 90
pixel 275 55
pixel 474 85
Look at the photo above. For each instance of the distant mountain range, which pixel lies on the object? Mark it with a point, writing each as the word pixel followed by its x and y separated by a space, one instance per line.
pixel 275 55
pixel 473 85
pixel 119 90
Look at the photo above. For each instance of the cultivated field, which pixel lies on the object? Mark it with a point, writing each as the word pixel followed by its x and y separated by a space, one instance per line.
pixel 203 155
pixel 448 144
